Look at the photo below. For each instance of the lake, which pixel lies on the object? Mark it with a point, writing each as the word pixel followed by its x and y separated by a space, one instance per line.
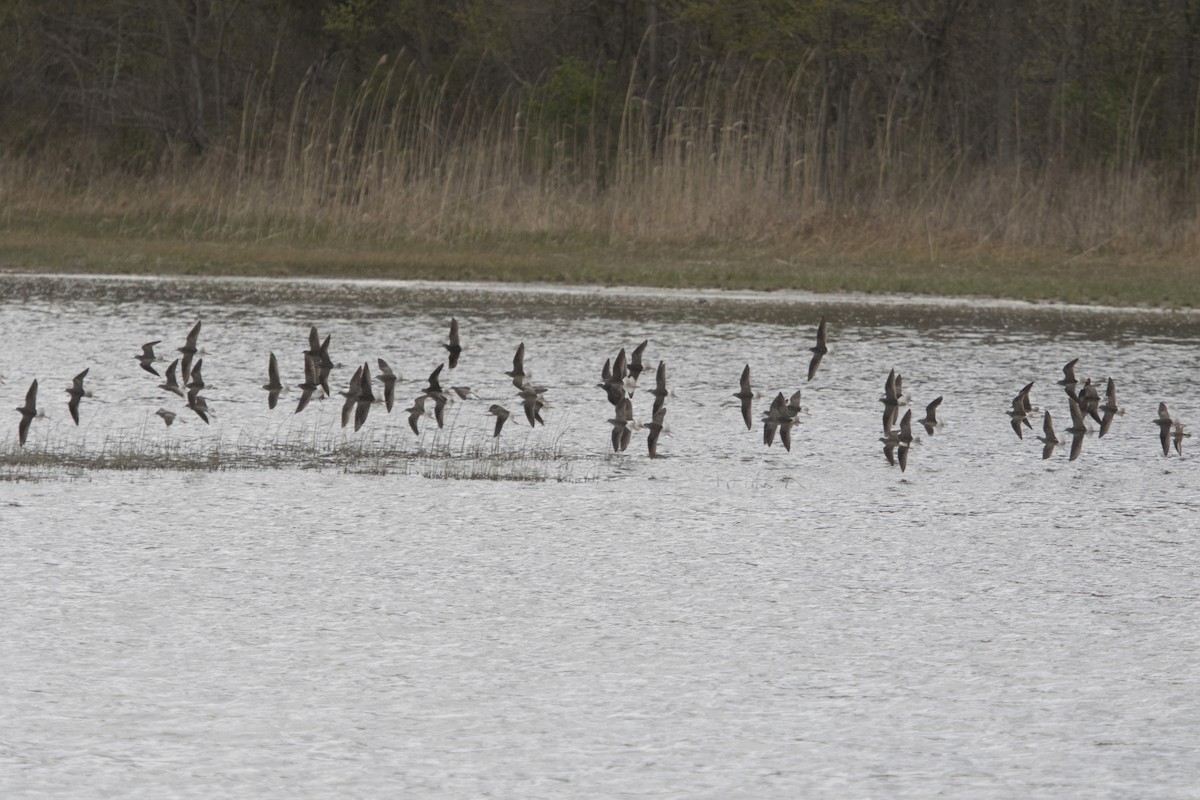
pixel 272 605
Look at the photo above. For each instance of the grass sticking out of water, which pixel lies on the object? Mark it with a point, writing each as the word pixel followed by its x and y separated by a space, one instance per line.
pixel 444 455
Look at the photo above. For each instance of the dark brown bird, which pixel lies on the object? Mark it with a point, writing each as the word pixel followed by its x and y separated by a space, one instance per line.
pixel 745 395
pixel 1078 428
pixel 656 428
pixel 620 368
pixel 147 358
pixel 319 350
pixel 170 384
pixel 197 377
pixel 1109 408
pixel 890 400
pixel 435 385
pixel 1048 438
pixel 613 388
pixel 1068 381
pixel 273 385
pixel 501 414
pixel 351 394
pixel 660 390
pixel 189 350
pixel 819 351
pixel 28 413
pixel 416 412
pixel 365 399
pixel 635 360
pixel 388 378
pixel 1089 400
pixel 1177 436
pixel 1019 415
pixel 454 346
pixel 930 420
pixel 517 373
pixel 533 402
pixel 1164 423
pixel 311 382
pixel 623 425
pixel 76 391
pixel 778 419
pixel 198 404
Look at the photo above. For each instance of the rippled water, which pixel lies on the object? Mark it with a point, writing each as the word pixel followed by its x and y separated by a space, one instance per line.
pixel 331 618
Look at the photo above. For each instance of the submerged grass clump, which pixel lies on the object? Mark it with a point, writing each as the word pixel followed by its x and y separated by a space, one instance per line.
pixel 444 455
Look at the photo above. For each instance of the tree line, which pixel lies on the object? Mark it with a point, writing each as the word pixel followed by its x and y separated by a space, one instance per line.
pixel 868 82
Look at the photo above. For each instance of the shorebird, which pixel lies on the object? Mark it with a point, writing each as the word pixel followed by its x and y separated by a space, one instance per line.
pixel 311 381
pixel 1068 381
pixel 454 346
pixel 1164 423
pixel 1020 411
pixel 434 392
pixel 517 373
pixel 655 427
pixel 1177 436
pixel 76 391
pixel 147 358
pixel 773 418
pixel 660 390
pixel 28 412
pixel 273 386
pixel 351 394
pixel 746 395
pixel 319 350
pixel 198 404
pixel 167 416
pixel 365 399
pixel 1089 400
pixel 623 425
pixel 435 386
pixel 930 420
pixel 170 384
pixel 1077 430
pixel 890 400
pixel 613 388
pixel 388 379
pixel 464 392
pixel 905 434
pixel 793 405
pixel 533 402
pixel 189 351
pixel 818 351
pixel 439 408
pixel 416 412
pixel 500 413
pixel 894 448
pixel 197 378
pixel 620 368
pixel 635 361
pixel 1048 438
pixel 1026 404
pixel 1110 408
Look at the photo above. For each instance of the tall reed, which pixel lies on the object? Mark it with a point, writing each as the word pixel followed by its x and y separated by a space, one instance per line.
pixel 400 157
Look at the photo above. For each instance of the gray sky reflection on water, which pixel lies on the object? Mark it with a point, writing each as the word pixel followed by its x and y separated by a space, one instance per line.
pixel 727 621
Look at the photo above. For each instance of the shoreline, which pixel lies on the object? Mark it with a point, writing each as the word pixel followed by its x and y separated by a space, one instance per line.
pixel 98 247
pixel 612 293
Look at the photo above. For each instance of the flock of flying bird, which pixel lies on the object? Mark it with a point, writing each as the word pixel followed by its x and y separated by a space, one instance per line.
pixel 619 380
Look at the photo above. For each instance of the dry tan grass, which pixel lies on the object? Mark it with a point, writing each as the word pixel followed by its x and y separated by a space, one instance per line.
pixel 409 182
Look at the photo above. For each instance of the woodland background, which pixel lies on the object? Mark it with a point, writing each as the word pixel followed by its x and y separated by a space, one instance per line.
pixel 927 127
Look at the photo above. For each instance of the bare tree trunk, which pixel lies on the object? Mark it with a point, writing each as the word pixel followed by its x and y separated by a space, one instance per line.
pixel 1005 97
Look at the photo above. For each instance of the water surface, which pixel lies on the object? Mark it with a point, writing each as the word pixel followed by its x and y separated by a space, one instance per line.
pixel 330 617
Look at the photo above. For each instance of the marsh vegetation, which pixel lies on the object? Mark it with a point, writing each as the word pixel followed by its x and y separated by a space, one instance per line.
pixel 999 149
